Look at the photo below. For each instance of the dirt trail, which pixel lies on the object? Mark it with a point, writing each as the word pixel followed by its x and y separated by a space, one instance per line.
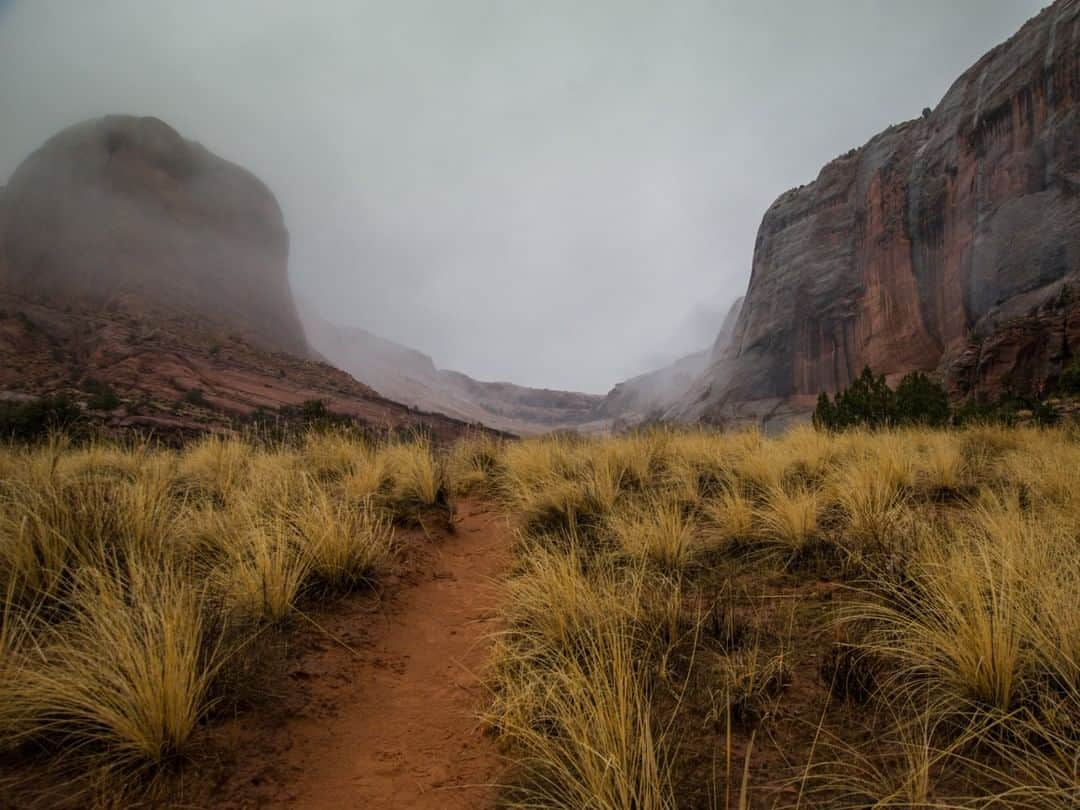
pixel 397 727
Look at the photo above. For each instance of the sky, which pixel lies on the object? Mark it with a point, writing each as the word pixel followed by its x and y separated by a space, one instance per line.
pixel 558 193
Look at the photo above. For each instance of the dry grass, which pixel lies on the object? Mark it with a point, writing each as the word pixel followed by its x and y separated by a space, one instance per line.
pixel 943 564
pixel 128 676
pixel 659 533
pixel 134 578
pixel 960 617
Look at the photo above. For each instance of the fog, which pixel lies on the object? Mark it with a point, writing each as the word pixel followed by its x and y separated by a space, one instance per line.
pixel 560 193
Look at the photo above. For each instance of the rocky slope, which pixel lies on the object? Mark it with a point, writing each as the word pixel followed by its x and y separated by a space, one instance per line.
pixel 411 377
pixel 177 374
pixel 123 212
pixel 950 243
pixel 134 261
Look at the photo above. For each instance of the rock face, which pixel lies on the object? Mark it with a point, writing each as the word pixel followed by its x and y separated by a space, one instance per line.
pixel 123 212
pixel 948 243
pixel 411 377
pixel 648 396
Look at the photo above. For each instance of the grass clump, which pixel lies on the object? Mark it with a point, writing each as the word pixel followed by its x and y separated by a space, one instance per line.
pixel 941 563
pixel 136 581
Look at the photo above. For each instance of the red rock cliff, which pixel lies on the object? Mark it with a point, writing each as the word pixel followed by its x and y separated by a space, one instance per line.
pixel 946 243
pixel 122 211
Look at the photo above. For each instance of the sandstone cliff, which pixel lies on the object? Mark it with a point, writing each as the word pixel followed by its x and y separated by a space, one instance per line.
pixel 123 212
pixel 947 243
pixel 133 259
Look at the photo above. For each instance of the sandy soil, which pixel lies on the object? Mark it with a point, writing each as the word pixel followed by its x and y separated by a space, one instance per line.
pixel 394 723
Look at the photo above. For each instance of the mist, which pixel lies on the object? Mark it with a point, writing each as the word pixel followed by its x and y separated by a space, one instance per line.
pixel 558 194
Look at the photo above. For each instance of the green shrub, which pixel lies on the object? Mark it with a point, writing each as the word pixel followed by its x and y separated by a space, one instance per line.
pixel 921 401
pixel 867 401
pixel 34 419
pixel 870 402
pixel 102 396
pixel 313 414
pixel 1007 411
pixel 1069 383
pixel 195 396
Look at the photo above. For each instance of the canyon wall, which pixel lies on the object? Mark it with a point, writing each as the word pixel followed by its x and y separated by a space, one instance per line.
pixel 406 375
pixel 950 244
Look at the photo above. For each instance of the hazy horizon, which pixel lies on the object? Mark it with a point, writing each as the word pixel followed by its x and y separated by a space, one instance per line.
pixel 558 195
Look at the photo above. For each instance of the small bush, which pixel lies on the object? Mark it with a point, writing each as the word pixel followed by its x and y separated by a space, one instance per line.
pixel 870 402
pixel 102 397
pixel 867 401
pixel 195 396
pixel 921 401
pixel 1069 383
pixel 35 419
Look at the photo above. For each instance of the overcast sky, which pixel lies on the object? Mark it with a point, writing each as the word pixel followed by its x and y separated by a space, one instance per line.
pixel 554 192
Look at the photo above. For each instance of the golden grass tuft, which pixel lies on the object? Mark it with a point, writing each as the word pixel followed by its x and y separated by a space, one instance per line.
pixel 128 677
pixel 124 569
pixel 659 532
pixel 960 612
pixel 946 561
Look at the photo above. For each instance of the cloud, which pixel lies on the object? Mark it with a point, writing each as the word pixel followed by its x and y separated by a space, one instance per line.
pixel 540 192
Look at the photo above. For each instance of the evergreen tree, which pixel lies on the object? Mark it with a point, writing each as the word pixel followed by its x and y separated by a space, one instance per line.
pixel 825 413
pixel 921 401
pixel 870 402
pixel 867 401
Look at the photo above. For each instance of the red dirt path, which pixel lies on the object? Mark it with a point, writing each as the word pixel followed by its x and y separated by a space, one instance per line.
pixel 394 725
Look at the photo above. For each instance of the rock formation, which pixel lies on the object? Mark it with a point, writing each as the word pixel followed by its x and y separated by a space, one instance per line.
pixel 175 376
pixel 134 260
pixel 122 212
pixel 647 396
pixel 411 377
pixel 950 243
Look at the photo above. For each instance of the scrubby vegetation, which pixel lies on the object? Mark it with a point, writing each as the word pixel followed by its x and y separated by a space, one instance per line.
pixel 1070 378
pixel 884 618
pixel 918 400
pixel 139 584
pixel 870 402
pixel 33 419
pixel 855 619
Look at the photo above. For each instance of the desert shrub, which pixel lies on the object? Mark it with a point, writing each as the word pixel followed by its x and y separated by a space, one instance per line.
pixel 195 396
pixel 728 520
pixel 746 681
pixel 347 543
pixel 870 402
pixel 1008 410
pixel 35 419
pixel 1069 382
pixel 572 693
pixel 102 397
pixel 658 532
pixel 788 523
pixel 127 679
pixel 921 401
pixel 417 482
pixel 313 414
pixel 473 463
